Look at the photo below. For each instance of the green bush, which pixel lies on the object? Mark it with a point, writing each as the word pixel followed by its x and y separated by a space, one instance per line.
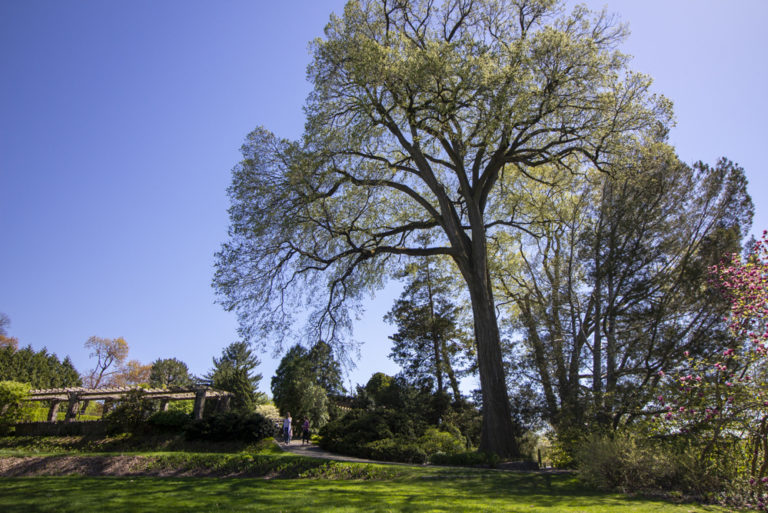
pixel 387 435
pixel 130 414
pixel 351 433
pixel 395 449
pixel 171 420
pixel 434 441
pixel 231 426
pixel 623 461
pixel 185 406
pixel 13 404
pixel 465 459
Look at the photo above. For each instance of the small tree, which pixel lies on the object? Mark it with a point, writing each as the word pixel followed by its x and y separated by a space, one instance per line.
pixel 428 342
pixel 722 400
pixel 169 372
pixel 110 353
pixel 5 340
pixel 233 372
pixel 132 373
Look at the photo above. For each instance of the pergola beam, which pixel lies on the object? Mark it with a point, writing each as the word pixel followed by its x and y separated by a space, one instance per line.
pixel 76 395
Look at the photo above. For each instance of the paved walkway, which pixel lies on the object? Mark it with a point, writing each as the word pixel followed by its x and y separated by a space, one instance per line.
pixel 314 451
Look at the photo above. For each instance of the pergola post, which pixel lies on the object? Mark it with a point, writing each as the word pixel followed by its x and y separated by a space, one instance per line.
pixel 108 405
pixel 164 404
pixel 197 411
pixel 53 411
pixel 222 404
pixel 72 408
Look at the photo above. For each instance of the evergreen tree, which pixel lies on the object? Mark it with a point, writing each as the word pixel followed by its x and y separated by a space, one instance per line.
pixel 233 372
pixel 38 368
pixel 428 342
pixel 169 372
pixel 303 381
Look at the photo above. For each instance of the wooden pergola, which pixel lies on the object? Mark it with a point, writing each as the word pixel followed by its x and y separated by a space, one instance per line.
pixel 74 396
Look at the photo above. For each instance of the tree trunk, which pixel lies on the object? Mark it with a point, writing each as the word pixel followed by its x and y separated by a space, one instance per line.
pixel 449 371
pixel 498 434
pixel 433 330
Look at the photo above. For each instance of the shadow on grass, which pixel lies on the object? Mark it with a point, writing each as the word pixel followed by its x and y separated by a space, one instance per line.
pixel 432 492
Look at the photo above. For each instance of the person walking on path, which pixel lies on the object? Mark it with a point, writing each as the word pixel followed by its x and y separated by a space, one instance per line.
pixel 305 431
pixel 287 428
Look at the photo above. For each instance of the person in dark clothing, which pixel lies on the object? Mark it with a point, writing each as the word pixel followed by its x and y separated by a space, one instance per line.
pixel 305 431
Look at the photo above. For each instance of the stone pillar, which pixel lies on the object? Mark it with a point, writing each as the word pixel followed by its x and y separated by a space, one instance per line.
pixel 72 409
pixel 164 404
pixel 54 410
pixel 223 403
pixel 108 405
pixel 197 411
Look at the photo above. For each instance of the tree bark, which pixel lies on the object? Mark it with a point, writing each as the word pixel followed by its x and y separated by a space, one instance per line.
pixel 433 330
pixel 449 370
pixel 498 434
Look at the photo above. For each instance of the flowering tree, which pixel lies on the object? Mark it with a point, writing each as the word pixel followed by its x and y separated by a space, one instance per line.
pixel 723 400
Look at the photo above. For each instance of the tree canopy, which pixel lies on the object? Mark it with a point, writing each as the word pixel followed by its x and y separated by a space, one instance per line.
pixel 420 118
pixel 169 372
pixel 40 369
pixel 304 379
pixel 110 353
pixel 614 287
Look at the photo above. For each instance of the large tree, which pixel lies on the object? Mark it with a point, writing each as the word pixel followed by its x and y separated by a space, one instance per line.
pixel 419 112
pixel 612 289
pixel 304 379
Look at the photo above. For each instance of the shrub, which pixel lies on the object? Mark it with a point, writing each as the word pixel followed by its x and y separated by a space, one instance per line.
pixel 130 414
pixel 185 406
pixel 623 462
pixel 563 447
pixel 231 426
pixel 387 435
pixel 396 449
pixel 171 420
pixel 434 441
pixel 465 459
pixel 352 432
pixel 13 404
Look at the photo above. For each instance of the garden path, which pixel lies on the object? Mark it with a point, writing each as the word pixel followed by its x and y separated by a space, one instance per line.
pixel 314 451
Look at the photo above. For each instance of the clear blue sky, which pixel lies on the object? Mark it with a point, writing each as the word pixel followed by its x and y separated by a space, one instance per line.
pixel 121 120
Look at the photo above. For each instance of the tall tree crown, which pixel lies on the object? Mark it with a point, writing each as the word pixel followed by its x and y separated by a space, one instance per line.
pixel 418 114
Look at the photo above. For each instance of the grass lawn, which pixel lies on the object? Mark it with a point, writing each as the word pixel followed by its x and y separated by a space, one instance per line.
pixel 315 485
pixel 419 492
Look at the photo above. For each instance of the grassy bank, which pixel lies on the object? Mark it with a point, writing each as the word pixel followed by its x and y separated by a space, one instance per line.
pixel 485 491
pixel 164 474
